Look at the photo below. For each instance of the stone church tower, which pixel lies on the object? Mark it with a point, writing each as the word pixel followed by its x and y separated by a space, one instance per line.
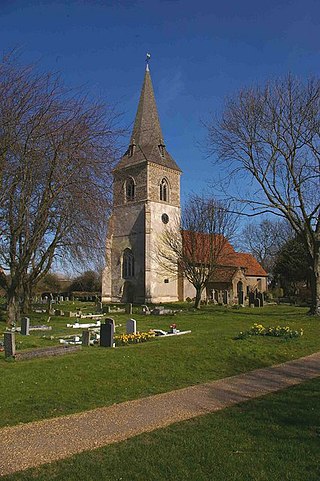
pixel 146 198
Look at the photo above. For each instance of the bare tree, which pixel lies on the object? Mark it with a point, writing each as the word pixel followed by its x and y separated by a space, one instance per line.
pixel 56 155
pixel 272 134
pixel 194 246
pixel 264 240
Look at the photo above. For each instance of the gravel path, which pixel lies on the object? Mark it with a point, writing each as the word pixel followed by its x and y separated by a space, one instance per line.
pixel 41 442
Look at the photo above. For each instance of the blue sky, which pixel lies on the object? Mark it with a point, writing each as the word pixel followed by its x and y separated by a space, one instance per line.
pixel 201 51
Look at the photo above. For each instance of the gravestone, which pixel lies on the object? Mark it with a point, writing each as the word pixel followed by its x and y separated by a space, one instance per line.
pixel 99 306
pixel 220 297
pixel 131 326
pixel 61 299
pixel 145 309
pixel 240 298
pixel 106 309
pixel 251 299
pixel 260 297
pixel 106 334
pixel 109 319
pixel 86 338
pixel 25 326
pixel 128 308
pixel 58 312
pixel 226 298
pixel 257 302
pixel 9 344
pixel 67 299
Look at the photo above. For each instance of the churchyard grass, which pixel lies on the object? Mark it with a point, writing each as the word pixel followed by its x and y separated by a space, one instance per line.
pixel 272 438
pixel 49 387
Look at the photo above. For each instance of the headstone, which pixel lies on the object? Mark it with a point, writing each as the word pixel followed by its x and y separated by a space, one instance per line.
pixel 61 299
pixel 145 309
pixel 9 344
pixel 226 297
pixel 86 338
pixel 128 308
pixel 106 309
pixel 25 326
pixel 251 299
pixel 131 326
pixel 220 297
pixel 240 298
pixel 99 306
pixel 58 312
pixel 109 319
pixel 257 302
pixel 260 297
pixel 66 299
pixel 106 334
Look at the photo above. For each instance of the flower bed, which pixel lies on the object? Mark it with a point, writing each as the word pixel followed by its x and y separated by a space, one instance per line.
pixel 124 339
pixel 276 331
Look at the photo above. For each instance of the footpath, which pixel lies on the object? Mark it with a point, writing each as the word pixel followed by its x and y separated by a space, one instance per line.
pixel 41 442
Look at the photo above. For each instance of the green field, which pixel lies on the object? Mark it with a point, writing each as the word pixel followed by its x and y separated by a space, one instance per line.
pixel 50 387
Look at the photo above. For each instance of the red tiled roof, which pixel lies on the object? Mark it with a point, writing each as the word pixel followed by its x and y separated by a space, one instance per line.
pixel 199 246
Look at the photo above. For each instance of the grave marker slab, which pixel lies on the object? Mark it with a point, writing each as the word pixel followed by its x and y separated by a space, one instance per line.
pixel 9 344
pixel 131 326
pixel 128 308
pixel 25 326
pixel 86 338
pixel 106 333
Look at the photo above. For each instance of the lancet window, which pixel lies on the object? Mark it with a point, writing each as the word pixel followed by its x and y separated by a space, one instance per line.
pixel 164 190
pixel 127 264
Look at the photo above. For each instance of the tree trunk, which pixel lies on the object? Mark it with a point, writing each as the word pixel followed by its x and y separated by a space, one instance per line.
pixel 197 301
pixel 315 286
pixel 13 309
pixel 26 299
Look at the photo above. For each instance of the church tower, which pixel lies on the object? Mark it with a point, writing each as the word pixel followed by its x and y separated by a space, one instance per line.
pixel 146 197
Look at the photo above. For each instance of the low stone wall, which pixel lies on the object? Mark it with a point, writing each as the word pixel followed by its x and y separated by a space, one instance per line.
pixel 45 352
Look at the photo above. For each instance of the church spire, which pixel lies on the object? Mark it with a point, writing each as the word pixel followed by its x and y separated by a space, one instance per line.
pixel 146 143
pixel 146 129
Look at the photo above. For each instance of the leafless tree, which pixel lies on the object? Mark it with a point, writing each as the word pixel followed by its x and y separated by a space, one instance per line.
pixel 56 155
pixel 194 246
pixel 264 240
pixel 272 134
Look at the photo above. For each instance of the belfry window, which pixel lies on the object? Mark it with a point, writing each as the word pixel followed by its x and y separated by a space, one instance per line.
pixel 127 264
pixel 164 190
pixel 130 189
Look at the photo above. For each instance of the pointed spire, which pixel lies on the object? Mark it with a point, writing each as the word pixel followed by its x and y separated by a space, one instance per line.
pixel 146 129
pixel 146 143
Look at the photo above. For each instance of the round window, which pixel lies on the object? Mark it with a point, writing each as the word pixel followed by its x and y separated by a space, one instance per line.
pixel 165 218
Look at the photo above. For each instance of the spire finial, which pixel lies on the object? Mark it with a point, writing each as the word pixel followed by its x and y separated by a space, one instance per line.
pixel 147 61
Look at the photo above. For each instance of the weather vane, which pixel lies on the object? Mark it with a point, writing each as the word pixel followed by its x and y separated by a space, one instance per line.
pixel 147 60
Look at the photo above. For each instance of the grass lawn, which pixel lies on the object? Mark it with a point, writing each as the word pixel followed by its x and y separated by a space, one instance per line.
pixel 49 387
pixel 275 438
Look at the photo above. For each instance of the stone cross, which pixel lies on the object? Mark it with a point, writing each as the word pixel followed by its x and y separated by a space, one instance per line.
pixel 131 326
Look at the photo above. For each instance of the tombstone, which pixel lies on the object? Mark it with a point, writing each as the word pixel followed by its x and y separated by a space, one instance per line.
pixel 131 326
pixel 58 312
pixel 9 344
pixel 128 309
pixel 240 298
pixel 99 306
pixel 145 309
pixel 220 297
pixel 86 338
pixel 109 319
pixel 260 297
pixel 106 333
pixel 251 299
pixel 106 309
pixel 25 326
pixel 226 298
pixel 66 299
pixel 257 302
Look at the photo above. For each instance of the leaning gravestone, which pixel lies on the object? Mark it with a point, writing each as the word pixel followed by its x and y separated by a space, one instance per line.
pixel 25 326
pixel 128 308
pixel 240 298
pixel 106 334
pixel 131 326
pixel 86 338
pixel 9 344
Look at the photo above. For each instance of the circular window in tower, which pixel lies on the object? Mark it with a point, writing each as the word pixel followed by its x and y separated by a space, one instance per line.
pixel 165 218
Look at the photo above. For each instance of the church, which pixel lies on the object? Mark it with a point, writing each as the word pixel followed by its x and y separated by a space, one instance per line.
pixel 146 198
